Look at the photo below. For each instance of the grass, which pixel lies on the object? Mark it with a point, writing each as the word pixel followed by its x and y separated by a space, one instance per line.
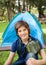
pixel 4 55
pixel 44 36
pixel 43 26
pixel 3 26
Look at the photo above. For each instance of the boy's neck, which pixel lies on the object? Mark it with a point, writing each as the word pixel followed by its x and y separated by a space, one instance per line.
pixel 25 41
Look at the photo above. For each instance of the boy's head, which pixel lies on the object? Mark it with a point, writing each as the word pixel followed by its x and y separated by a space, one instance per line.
pixel 21 23
pixel 22 30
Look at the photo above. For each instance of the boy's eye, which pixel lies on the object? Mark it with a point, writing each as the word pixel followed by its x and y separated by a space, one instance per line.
pixel 24 30
pixel 19 31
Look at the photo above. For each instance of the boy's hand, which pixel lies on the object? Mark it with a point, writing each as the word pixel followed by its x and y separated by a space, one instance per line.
pixel 31 61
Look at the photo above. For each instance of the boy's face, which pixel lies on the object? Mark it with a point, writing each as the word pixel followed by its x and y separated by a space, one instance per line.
pixel 23 33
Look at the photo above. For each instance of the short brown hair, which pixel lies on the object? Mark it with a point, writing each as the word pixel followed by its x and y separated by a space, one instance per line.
pixel 21 23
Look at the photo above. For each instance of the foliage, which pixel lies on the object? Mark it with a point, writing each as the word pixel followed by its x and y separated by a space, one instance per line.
pixel 40 4
pixel 10 7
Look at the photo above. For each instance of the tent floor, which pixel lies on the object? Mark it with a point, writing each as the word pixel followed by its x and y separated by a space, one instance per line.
pixel 5 48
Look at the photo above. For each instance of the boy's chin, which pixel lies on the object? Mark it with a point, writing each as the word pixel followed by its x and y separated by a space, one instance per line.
pixel 24 38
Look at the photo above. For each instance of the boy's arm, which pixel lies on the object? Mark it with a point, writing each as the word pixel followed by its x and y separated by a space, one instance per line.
pixel 10 58
pixel 38 62
pixel 43 55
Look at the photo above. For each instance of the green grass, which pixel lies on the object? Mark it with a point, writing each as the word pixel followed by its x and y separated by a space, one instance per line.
pixel 4 55
pixel 44 36
pixel 43 26
pixel 3 26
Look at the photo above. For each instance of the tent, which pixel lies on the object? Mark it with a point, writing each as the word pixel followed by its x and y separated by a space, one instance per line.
pixel 9 35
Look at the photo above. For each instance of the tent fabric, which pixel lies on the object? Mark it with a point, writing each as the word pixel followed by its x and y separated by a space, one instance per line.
pixel 9 35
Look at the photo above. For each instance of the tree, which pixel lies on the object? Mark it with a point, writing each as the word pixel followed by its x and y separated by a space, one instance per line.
pixel 39 4
pixel 10 5
pixel 2 10
pixel 19 6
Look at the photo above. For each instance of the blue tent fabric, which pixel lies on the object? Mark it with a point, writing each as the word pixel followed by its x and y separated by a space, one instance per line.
pixel 9 35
